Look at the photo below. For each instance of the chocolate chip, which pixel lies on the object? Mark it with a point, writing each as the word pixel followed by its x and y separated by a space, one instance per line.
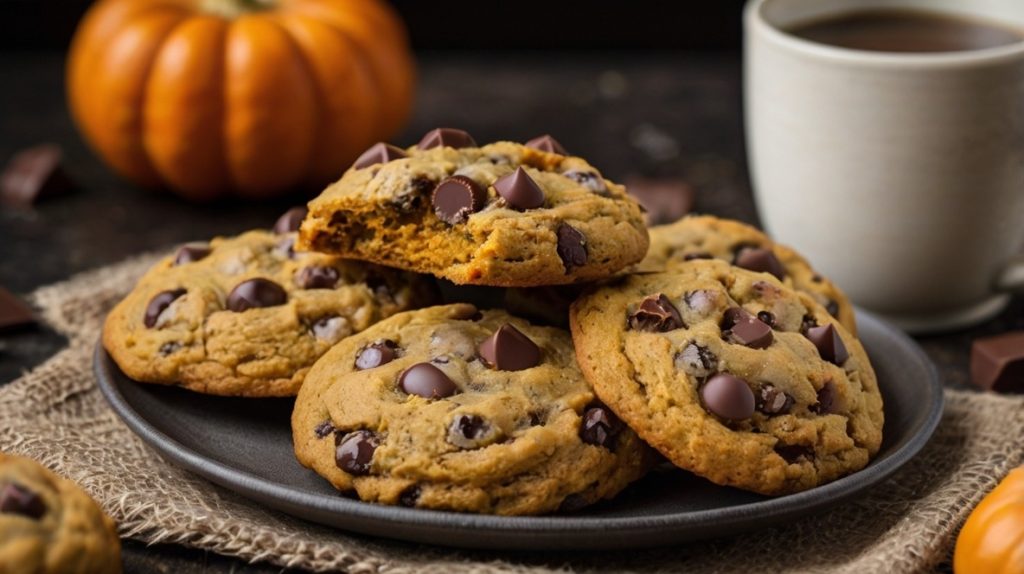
pixel 378 153
pixel 743 328
pixel 17 499
pixel 697 255
pixel 793 453
pixel 548 144
pixel 806 322
pixel 376 354
pixel 317 277
pixel 191 252
pixel 256 292
pixel 410 496
pixel 697 360
pixel 599 426
pixel 508 349
pixel 728 397
pixel 447 137
pixel 353 452
pixel 324 428
pixel 772 401
pixel 456 198
pixel 158 304
pixel 588 179
pixel 829 344
pixel 832 307
pixel 426 380
pixel 766 317
pixel 655 314
pixel 169 348
pixel 519 190
pixel 471 431
pixel 32 174
pixel 571 247
pixel 14 313
pixel 826 399
pixel 997 363
pixel 290 220
pixel 330 328
pixel 760 259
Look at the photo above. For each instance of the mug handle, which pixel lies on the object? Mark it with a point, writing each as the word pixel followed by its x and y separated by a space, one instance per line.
pixel 1011 278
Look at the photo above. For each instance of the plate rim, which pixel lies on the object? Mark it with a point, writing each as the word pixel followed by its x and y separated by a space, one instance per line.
pixel 523 532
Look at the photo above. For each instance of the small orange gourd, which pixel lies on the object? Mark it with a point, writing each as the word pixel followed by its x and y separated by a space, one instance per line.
pixel 992 539
pixel 252 97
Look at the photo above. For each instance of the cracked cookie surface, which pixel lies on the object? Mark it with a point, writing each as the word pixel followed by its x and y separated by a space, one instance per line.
pixel 48 524
pixel 504 214
pixel 451 408
pixel 708 236
pixel 731 375
pixel 249 315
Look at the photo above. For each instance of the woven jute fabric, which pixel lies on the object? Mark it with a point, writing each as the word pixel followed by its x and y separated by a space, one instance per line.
pixel 56 415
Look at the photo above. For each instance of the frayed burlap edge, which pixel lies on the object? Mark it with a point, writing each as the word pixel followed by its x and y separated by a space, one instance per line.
pixel 56 415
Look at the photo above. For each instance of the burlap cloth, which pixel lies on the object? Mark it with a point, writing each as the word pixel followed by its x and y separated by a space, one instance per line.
pixel 56 415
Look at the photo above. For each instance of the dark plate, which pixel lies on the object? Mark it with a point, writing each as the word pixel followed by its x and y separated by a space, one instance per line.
pixel 216 438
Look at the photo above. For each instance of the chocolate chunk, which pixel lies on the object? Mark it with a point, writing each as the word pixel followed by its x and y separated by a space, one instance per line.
pixel 571 247
pixel 772 401
pixel 447 137
pixel 324 428
pixel 826 399
pixel 508 349
pixel 548 144
pixel 829 343
pixel 997 363
pixel 588 179
pixel 330 328
pixel 317 277
pixel 353 452
pixel 257 292
pixel 766 317
pixel 697 360
pixel 702 300
pixel 519 190
pixel 17 499
pixel 806 322
pixel 376 354
pixel 33 174
pixel 697 255
pixel 793 453
pixel 378 153
pixel 599 426
pixel 655 314
pixel 728 397
pixel 290 220
pixel 832 307
pixel 745 329
pixel 456 197
pixel 759 259
pixel 158 304
pixel 426 380
pixel 471 431
pixel 14 314
pixel 666 200
pixel 191 252
pixel 410 496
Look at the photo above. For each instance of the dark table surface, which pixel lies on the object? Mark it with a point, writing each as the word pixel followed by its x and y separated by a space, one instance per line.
pixel 630 114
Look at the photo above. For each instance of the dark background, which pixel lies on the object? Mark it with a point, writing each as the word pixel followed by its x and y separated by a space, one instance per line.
pixel 459 24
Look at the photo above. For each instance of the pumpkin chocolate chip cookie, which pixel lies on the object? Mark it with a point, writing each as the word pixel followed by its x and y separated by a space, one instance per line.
pixel 248 315
pixel 504 214
pixel 49 525
pixel 703 237
pixel 731 375
pixel 452 408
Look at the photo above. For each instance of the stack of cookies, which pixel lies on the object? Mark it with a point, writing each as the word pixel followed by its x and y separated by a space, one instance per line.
pixel 701 340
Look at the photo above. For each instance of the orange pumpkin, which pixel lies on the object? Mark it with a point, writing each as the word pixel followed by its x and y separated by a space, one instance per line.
pixel 254 96
pixel 992 539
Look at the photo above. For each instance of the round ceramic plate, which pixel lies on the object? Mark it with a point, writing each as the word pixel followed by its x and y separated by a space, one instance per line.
pixel 216 438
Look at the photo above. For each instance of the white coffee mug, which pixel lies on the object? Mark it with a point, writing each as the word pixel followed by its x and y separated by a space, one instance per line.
pixel 900 176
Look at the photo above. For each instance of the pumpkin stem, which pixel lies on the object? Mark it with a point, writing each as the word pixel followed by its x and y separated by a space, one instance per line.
pixel 232 9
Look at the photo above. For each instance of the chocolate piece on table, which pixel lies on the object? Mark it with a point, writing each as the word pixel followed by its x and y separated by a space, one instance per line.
pixel 353 452
pixel 519 190
pixel 378 153
pixel 456 197
pixel 13 312
pixel 508 349
pixel 548 144
pixel 571 247
pixel 33 174
pixel 447 137
pixel 655 314
pixel 290 220
pixel 16 499
pixel 760 259
pixel 665 200
pixel 427 381
pixel 376 354
pixel 728 397
pixel 256 292
pixel 997 363
pixel 829 344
